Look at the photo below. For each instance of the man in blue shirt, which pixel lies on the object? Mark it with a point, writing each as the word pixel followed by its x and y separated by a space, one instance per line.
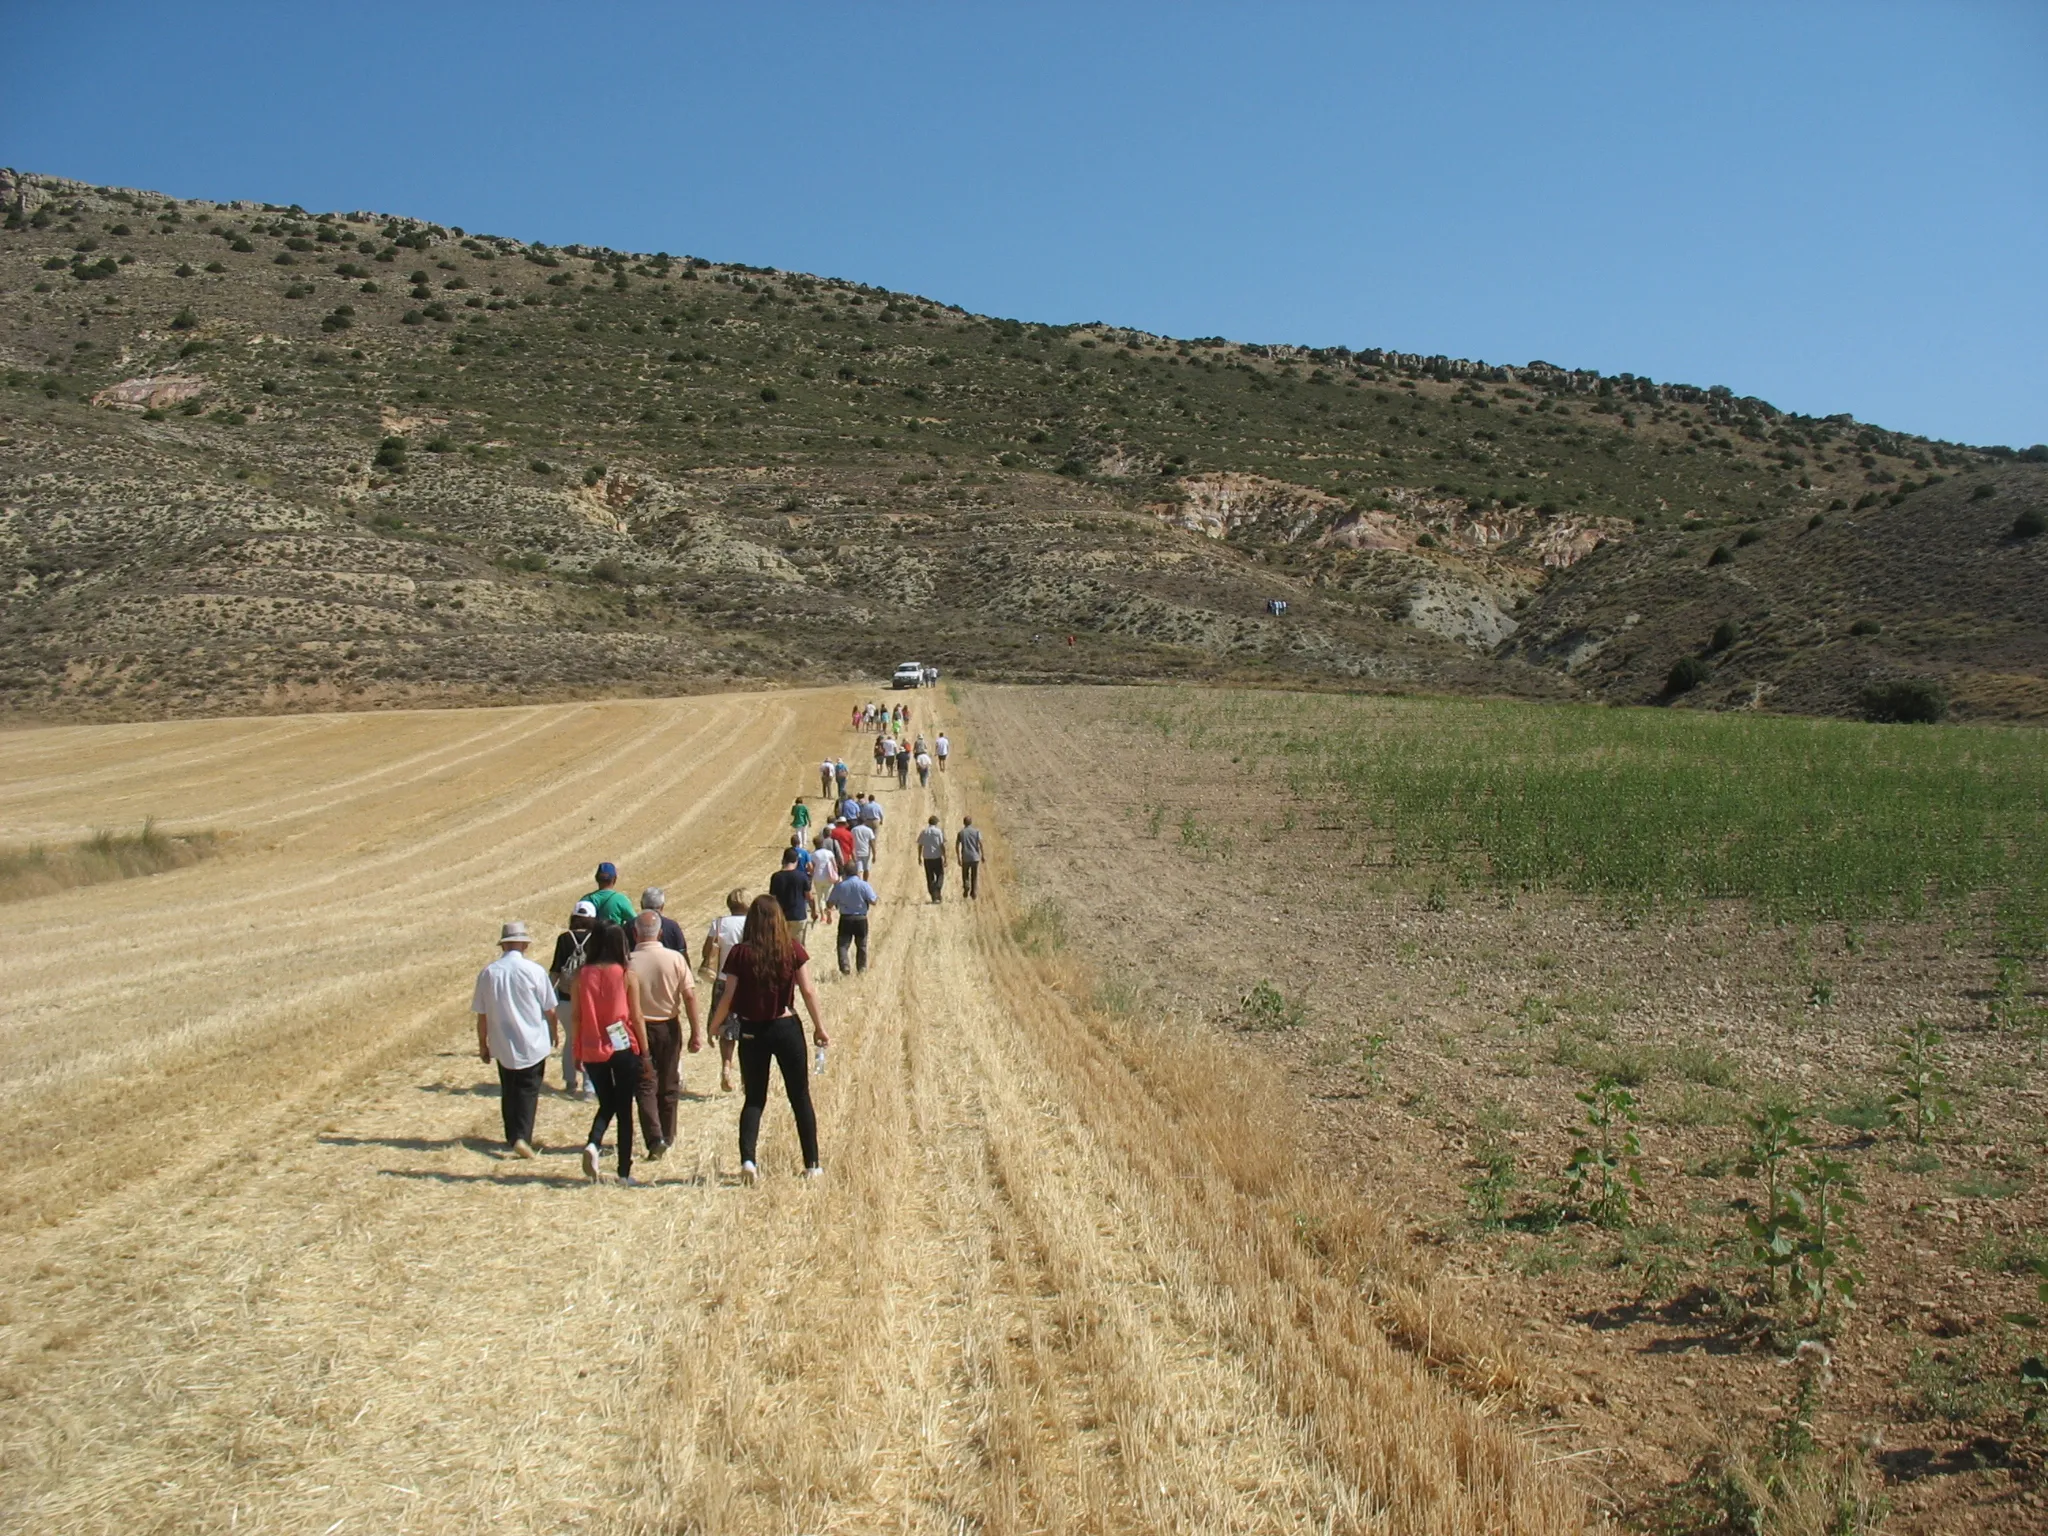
pixel 852 898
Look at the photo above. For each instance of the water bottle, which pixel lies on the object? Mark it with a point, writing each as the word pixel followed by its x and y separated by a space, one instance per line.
pixel 820 1062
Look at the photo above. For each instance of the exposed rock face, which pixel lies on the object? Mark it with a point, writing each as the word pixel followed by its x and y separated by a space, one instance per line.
pixel 1218 503
pixel 157 394
pixel 1458 611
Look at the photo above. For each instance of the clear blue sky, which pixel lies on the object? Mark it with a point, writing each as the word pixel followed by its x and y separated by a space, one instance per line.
pixel 1838 207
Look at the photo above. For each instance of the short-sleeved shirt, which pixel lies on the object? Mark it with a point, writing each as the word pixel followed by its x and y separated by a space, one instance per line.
pixel 825 865
pixel 871 813
pixel 664 980
pixel 863 841
pixel 515 997
pixel 725 932
pixel 800 815
pixel 843 836
pixel 931 843
pixel 755 1000
pixel 970 845
pixel 671 935
pixel 792 893
pixel 853 896
pixel 612 907
pixel 942 745
pixel 600 1003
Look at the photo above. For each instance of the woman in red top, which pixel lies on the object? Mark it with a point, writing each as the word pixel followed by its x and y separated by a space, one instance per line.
pixel 764 972
pixel 611 1042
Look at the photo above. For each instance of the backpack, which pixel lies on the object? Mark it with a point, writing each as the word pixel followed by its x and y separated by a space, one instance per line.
pixel 579 951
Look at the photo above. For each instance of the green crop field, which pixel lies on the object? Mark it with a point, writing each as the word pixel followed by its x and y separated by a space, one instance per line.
pixel 1807 818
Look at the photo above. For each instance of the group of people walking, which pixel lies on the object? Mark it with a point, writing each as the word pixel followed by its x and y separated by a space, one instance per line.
pixel 619 998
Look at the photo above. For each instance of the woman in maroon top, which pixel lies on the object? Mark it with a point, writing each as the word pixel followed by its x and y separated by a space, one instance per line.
pixel 611 1043
pixel 764 972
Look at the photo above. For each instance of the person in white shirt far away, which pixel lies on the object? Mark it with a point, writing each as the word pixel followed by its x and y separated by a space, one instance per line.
pixel 940 749
pixel 517 1027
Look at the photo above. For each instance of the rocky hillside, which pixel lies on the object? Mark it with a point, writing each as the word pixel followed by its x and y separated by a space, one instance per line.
pixel 261 458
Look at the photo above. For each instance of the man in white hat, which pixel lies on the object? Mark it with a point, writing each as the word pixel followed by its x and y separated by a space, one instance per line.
pixel 516 1026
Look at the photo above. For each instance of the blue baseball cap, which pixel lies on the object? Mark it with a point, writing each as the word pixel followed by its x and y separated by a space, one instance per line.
pixel 607 870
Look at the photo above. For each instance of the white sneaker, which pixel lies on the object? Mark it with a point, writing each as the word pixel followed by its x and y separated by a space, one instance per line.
pixel 749 1174
pixel 814 1172
pixel 630 1182
pixel 590 1161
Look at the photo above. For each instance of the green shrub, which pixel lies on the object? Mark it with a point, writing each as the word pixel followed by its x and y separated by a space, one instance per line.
pixel 2030 524
pixel 1747 537
pixel 770 394
pixel 184 320
pixel 1983 492
pixel 1906 701
pixel 1866 627
pixel 541 467
pixel 1726 633
pixel 390 454
pixel 1722 555
pixel 1265 1007
pixel 1686 674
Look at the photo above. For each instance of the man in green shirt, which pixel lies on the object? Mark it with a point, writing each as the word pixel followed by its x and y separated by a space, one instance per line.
pixel 800 816
pixel 612 906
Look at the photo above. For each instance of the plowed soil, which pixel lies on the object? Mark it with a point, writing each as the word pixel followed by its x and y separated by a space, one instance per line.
pixel 266 1267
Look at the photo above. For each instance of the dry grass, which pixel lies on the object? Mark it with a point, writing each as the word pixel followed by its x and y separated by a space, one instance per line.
pixel 38 871
pixel 1067 1271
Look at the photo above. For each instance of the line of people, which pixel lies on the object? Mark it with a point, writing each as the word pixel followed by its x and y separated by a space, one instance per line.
pixel 620 988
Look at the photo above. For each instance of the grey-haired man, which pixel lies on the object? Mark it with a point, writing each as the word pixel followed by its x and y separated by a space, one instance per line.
pixel 516 1026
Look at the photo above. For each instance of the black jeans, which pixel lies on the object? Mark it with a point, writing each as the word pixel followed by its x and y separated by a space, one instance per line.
pixel 935 878
pixel 970 877
pixel 853 931
pixel 617 1083
pixel 782 1042
pixel 518 1093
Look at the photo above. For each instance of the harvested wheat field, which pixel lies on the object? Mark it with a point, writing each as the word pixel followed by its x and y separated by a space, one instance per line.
pixel 266 1270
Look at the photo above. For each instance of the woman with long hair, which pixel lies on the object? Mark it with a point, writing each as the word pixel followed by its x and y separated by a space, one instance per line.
pixel 764 973
pixel 611 1043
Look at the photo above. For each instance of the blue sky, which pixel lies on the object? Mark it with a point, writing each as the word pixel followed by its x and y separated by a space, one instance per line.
pixel 1838 207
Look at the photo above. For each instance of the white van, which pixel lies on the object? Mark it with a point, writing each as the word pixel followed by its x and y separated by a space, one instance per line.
pixel 909 675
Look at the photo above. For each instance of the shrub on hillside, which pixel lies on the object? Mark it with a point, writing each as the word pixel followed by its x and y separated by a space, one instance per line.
pixel 1906 701
pixel 1866 627
pixel 2030 524
pixel 1686 674
pixel 391 453
pixel 1726 633
pixel 1722 555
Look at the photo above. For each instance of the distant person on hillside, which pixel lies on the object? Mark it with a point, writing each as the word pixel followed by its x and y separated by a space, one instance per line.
pixel 924 769
pixel 852 898
pixel 611 1042
pixel 800 816
pixel 839 777
pixel 824 875
pixel 885 754
pixel 791 888
pixel 667 993
pixel 764 973
pixel 968 841
pixel 859 717
pixel 719 939
pixel 825 779
pixel 903 770
pixel 940 749
pixel 572 948
pixel 517 1025
pixel 611 904
pixel 863 848
pixel 654 899
pixel 931 847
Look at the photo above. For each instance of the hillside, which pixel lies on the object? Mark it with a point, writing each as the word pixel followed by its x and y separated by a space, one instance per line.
pixel 260 458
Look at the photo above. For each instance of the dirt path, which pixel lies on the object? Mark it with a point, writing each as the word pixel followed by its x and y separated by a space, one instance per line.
pixel 266 1272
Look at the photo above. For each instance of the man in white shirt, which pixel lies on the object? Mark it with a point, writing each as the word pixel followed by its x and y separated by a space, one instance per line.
pixel 941 747
pixel 931 847
pixel 719 939
pixel 863 849
pixel 516 1027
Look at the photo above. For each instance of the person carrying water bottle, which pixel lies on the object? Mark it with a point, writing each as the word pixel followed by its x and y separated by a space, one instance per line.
pixel 764 973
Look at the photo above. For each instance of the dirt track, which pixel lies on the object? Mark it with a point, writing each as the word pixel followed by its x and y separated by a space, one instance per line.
pixel 265 1270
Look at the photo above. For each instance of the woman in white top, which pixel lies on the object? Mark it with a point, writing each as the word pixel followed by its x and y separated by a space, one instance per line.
pixel 719 939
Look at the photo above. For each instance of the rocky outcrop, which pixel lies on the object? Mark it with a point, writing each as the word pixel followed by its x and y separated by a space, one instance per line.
pixel 157 394
pixel 1219 504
